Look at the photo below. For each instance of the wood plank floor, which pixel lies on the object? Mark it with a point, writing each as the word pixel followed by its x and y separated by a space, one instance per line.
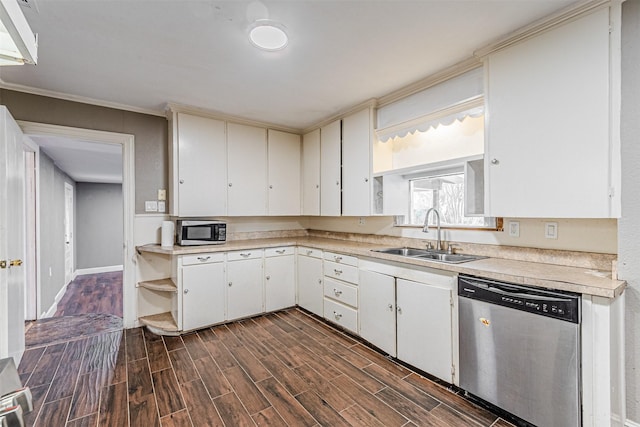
pixel 281 369
pixel 99 293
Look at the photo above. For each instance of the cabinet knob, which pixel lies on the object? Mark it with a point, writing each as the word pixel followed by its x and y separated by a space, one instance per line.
pixel 182 181
pixel 186 291
pixel 390 306
pixel 268 277
pixel 320 281
pixel 337 182
pixel 231 184
pixel 230 284
pixel 399 310
pixel 495 161
pixel 366 180
pixel 271 186
pixel 317 185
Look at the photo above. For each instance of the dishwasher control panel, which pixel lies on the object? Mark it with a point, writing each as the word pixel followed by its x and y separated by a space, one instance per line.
pixel 556 304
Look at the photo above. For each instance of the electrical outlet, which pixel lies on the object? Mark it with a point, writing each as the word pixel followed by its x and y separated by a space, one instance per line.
pixel 162 195
pixel 151 206
pixel 514 228
pixel 162 206
pixel 362 221
pixel 551 230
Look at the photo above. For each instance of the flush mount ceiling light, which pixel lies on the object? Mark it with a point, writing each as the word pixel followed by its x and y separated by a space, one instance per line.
pixel 18 44
pixel 268 35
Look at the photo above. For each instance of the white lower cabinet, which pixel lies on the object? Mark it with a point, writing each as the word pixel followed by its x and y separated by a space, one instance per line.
pixel 280 278
pixel 244 284
pixel 409 313
pixel 203 295
pixel 424 330
pixel 310 280
pixel 378 310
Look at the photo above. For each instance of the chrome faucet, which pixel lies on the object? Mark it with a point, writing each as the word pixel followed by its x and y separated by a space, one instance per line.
pixel 425 229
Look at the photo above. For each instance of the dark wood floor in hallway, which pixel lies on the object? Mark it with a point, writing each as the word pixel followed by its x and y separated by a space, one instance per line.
pixel 282 369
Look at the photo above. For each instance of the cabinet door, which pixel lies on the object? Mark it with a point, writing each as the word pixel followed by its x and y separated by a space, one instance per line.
pixel 330 166
pixel 424 330
pixel 202 167
pixel 244 288
pixel 247 170
pixel 280 284
pixel 310 285
pixel 284 173
pixel 203 295
pixel 356 164
pixel 378 310
pixel 548 143
pixel 311 173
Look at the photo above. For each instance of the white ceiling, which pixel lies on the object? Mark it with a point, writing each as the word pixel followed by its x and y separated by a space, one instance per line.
pixel 84 161
pixel 145 53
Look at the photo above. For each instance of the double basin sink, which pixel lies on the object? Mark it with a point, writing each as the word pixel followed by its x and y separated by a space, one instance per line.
pixel 429 255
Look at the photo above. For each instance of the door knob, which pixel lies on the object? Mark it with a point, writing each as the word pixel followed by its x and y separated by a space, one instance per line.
pixel 15 263
pixel 3 264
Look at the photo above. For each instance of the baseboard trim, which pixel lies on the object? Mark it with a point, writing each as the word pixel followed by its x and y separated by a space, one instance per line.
pixel 54 307
pixel 95 270
pixel 630 423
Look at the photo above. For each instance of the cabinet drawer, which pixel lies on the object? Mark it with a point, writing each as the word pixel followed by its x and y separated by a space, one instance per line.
pixel 342 272
pixel 247 254
pixel 202 258
pixel 341 291
pixel 341 259
pixel 310 252
pixel 271 252
pixel 344 316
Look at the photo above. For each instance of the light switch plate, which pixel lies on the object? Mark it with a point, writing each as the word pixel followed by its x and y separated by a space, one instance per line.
pixel 514 228
pixel 551 230
pixel 151 206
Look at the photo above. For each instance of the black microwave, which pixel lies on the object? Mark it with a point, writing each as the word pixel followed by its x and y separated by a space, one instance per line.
pixel 197 232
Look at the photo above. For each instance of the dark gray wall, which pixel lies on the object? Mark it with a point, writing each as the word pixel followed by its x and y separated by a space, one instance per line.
pixel 629 223
pixel 52 243
pixel 99 227
pixel 151 133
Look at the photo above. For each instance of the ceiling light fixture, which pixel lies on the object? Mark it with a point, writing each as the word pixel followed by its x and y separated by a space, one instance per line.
pixel 268 35
pixel 18 44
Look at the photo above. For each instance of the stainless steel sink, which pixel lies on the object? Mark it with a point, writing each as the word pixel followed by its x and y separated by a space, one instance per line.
pixel 429 254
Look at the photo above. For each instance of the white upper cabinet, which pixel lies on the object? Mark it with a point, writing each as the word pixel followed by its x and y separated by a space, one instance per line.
pixel 357 145
pixel 247 163
pixel 199 167
pixel 330 164
pixel 284 173
pixel 551 146
pixel 311 173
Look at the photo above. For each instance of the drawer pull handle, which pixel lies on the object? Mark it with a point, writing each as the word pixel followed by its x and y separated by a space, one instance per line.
pixel 337 315
pixel 335 270
pixel 204 258
pixel 281 251
pixel 337 292
pixel 309 252
pixel 338 258
pixel 390 307
pixel 246 255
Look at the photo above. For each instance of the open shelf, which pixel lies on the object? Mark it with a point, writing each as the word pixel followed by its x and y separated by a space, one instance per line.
pixel 163 285
pixel 161 324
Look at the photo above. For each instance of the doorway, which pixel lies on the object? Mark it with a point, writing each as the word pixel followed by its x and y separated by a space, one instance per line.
pixel 126 143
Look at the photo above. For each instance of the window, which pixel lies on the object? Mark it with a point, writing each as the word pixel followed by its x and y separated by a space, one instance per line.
pixel 446 193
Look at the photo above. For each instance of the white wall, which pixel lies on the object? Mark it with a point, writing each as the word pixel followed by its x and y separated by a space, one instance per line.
pixel 629 224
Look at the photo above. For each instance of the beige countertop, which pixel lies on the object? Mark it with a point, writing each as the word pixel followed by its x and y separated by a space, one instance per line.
pixel 549 276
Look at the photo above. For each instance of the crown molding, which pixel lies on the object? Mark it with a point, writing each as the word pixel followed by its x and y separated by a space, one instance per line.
pixel 174 107
pixel 371 103
pixel 560 17
pixel 80 99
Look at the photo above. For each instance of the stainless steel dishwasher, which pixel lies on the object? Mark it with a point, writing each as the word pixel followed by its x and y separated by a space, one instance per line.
pixel 520 350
